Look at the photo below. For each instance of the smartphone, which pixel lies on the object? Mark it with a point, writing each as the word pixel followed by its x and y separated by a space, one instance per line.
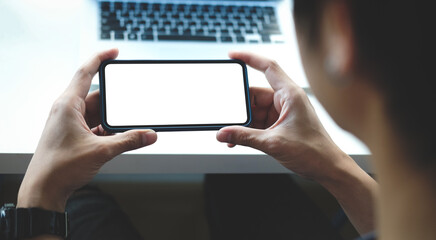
pixel 173 95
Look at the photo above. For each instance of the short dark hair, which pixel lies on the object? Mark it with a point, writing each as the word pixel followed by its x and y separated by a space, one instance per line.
pixel 395 46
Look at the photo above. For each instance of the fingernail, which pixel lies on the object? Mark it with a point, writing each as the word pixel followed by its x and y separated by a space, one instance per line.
pixel 148 137
pixel 225 137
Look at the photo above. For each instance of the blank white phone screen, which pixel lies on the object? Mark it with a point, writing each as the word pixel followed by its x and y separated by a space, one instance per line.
pixel 175 94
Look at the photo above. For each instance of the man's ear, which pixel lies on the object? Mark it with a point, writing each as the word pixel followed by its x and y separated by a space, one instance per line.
pixel 337 39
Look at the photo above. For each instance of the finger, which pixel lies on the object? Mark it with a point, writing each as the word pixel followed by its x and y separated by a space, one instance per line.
pixel 276 77
pixel 99 131
pixel 245 136
pixel 261 97
pixel 273 116
pixel 81 82
pixel 92 114
pixel 130 140
pixel 264 113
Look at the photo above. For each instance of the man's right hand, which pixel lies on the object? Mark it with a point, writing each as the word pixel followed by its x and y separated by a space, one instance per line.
pixel 285 125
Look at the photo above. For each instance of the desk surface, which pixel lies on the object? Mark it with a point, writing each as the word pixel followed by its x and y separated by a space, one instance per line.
pixel 39 55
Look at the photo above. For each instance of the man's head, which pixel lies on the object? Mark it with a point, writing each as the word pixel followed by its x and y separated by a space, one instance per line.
pixel 358 53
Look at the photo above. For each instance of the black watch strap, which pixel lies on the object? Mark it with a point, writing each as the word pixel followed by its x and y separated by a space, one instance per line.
pixel 19 223
pixel 31 222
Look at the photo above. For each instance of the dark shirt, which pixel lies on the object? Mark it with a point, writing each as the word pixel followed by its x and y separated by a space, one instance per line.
pixel 368 236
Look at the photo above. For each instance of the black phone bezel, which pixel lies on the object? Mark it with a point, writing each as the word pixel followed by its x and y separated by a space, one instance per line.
pixel 181 127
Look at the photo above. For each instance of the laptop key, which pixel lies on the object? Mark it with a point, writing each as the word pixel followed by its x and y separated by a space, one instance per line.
pixel 187 38
pixel 169 7
pixel 145 37
pixel 174 31
pixel 131 5
pixel 240 39
pixel 105 35
pixel 156 7
pixel 187 31
pixel 105 7
pixel 226 39
pixel 144 6
pixel 272 26
pixel 269 31
pixel 118 28
pixel 194 8
pixel 224 31
pixel 273 19
pixel 205 8
pixel 161 30
pixel 118 5
pixel 266 39
pixel 132 36
pixel 237 31
pixel 107 14
pixel 106 28
pixel 119 35
pixel 181 8
pixel 269 9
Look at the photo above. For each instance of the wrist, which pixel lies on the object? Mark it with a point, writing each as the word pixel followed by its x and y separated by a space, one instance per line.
pixel 344 177
pixel 41 196
pixel 332 165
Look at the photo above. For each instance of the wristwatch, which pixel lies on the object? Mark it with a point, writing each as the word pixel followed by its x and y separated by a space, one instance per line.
pixel 19 223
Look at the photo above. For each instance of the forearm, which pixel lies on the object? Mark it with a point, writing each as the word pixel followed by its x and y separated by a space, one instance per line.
pixel 355 191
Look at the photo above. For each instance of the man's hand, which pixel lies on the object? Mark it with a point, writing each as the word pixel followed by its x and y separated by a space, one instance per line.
pixel 74 146
pixel 285 125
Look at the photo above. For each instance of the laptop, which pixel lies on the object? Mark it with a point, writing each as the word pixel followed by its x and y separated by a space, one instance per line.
pixel 193 29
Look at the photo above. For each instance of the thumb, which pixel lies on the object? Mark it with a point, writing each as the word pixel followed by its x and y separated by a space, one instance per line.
pixel 245 136
pixel 131 140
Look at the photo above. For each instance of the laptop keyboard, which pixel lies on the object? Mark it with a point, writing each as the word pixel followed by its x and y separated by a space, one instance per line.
pixel 134 21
